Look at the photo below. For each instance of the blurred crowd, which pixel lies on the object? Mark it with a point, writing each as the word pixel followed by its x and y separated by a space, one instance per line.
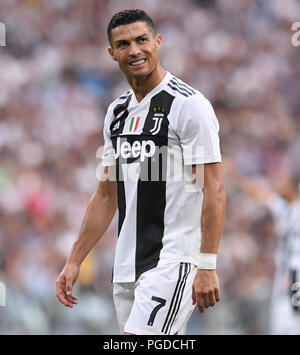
pixel 57 80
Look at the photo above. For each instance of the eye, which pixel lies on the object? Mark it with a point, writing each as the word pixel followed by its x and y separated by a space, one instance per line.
pixel 122 44
pixel 142 40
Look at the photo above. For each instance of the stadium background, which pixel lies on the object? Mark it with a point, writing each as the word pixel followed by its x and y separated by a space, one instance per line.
pixel 56 82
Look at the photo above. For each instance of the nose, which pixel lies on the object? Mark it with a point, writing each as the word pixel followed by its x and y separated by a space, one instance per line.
pixel 134 49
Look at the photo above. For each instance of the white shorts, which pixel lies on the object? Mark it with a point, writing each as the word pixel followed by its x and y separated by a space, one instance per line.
pixel 158 303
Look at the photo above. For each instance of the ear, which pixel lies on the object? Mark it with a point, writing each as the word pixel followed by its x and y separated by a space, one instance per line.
pixel 111 53
pixel 158 41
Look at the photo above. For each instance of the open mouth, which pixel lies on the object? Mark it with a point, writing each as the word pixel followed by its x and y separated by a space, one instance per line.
pixel 137 63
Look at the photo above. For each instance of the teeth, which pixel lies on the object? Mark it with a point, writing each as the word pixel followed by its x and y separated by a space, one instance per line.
pixel 138 62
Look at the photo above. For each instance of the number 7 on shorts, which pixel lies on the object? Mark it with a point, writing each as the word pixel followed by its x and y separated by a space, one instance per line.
pixel 162 303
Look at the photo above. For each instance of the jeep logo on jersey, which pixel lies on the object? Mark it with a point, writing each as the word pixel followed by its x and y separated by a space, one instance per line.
pixel 144 149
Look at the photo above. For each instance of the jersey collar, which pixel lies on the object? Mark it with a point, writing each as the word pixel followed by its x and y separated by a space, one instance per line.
pixel 154 91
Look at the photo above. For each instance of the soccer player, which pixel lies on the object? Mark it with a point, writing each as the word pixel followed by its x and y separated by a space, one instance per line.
pixel 169 228
pixel 284 205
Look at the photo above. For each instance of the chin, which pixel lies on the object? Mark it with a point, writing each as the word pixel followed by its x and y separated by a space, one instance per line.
pixel 140 74
pixel 144 72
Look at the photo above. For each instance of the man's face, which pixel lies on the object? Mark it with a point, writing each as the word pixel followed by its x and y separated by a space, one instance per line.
pixel 135 47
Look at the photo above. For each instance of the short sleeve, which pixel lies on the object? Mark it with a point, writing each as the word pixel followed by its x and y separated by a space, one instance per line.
pixel 198 130
pixel 108 156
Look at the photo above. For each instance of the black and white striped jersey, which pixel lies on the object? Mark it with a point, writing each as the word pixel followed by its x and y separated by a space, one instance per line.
pixel 153 144
pixel 287 258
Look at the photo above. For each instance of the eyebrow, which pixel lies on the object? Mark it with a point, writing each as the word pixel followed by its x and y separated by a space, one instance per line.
pixel 143 35
pixel 119 41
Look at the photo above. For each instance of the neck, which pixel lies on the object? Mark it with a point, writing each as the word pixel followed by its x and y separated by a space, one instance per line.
pixel 141 86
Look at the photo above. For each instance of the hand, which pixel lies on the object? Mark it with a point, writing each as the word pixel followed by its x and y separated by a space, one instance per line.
pixel 206 289
pixel 64 285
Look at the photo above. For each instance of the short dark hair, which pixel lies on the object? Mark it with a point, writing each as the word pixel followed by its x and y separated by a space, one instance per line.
pixel 127 17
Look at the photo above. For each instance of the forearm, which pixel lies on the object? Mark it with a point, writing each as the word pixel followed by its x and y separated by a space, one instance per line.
pixel 100 212
pixel 206 288
pixel 212 220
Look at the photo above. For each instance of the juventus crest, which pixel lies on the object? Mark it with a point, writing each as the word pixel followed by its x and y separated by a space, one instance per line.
pixel 159 113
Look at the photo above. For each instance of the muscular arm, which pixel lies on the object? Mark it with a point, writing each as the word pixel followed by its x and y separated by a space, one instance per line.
pixel 206 290
pixel 213 208
pixel 100 212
